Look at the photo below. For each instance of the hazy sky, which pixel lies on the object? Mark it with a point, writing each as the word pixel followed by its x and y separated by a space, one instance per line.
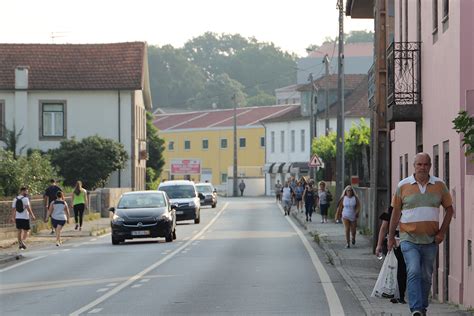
pixel 291 25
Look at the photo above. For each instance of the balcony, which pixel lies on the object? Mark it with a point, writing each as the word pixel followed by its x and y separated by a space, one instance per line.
pixel 371 83
pixel 404 82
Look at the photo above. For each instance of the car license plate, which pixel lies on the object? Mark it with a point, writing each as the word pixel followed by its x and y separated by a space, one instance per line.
pixel 140 232
pixel 179 212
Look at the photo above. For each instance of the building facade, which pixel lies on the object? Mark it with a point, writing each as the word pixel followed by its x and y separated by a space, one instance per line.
pixel 56 92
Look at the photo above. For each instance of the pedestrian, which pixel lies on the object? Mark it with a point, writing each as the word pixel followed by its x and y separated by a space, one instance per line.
pixel 323 194
pixel 59 212
pixel 348 206
pixel 416 208
pixel 310 199
pixel 79 204
pixel 50 195
pixel 278 188
pixel 382 249
pixel 299 190
pixel 242 187
pixel 286 198
pixel 21 214
pixel 292 184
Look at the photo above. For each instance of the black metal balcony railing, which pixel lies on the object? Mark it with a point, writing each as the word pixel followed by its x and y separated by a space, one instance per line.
pixel 404 81
pixel 371 85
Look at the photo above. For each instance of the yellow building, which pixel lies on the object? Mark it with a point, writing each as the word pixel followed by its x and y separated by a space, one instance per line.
pixel 200 145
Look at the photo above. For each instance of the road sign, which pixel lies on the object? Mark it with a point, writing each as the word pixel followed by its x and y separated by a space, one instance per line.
pixel 315 162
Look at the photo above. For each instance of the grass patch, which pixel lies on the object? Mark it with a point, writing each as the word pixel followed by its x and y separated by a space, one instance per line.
pixel 316 238
pixel 92 216
pixel 365 231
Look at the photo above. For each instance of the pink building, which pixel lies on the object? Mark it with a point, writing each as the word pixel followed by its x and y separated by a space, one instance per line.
pixel 438 36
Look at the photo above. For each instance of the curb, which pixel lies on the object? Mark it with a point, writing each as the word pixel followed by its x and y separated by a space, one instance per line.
pixel 336 261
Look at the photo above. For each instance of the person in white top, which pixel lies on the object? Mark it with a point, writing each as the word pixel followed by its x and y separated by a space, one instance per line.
pixel 287 195
pixel 21 213
pixel 59 212
pixel 348 207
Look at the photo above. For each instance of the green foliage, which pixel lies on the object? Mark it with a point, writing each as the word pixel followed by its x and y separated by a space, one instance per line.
pixel 156 147
pixel 325 147
pixel 359 37
pixel 261 99
pixel 11 140
pixel 33 171
pixel 219 91
pixel 91 160
pixel 357 140
pixel 464 124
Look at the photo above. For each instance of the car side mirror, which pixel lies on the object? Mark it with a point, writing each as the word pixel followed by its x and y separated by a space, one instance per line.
pixel 215 191
pixel 112 209
pixel 201 196
pixel 174 206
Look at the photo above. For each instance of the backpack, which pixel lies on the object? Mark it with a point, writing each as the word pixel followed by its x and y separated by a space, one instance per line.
pixel 328 196
pixel 19 205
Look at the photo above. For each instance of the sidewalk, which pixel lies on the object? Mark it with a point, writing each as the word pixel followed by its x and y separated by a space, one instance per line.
pixel 9 246
pixel 360 268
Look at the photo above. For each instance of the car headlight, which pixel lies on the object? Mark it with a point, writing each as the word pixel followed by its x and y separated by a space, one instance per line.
pixel 165 216
pixel 117 219
pixel 192 204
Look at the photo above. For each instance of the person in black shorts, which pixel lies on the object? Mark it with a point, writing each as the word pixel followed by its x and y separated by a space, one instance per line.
pixel 50 195
pixel 22 217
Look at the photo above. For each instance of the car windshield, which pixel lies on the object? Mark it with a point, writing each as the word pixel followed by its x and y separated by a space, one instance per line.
pixel 204 188
pixel 146 200
pixel 179 191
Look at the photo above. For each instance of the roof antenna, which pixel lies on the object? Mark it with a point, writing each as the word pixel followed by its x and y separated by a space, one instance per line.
pixel 55 35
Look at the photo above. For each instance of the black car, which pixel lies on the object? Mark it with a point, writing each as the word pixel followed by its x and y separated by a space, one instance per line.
pixel 143 214
pixel 209 192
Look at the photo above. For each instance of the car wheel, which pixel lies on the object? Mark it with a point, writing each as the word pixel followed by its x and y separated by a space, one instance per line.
pixel 115 241
pixel 198 219
pixel 214 205
pixel 169 237
pixel 174 234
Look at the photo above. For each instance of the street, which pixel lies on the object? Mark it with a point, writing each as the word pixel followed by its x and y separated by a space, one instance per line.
pixel 245 258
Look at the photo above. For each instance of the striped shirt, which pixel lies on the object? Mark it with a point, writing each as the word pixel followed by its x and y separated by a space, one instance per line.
pixel 419 222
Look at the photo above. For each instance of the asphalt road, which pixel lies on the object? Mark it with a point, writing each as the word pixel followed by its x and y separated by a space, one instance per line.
pixel 245 258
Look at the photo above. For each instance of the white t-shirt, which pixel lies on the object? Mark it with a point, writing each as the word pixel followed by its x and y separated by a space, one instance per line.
pixel 286 194
pixel 26 202
pixel 59 210
pixel 349 210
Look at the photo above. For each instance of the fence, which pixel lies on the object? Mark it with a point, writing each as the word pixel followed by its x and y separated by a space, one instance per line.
pixel 100 201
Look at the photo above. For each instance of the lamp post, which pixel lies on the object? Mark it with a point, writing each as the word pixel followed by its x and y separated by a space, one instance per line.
pixel 234 175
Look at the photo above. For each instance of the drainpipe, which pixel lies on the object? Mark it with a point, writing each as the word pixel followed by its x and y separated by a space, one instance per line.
pixel 119 133
pixel 265 156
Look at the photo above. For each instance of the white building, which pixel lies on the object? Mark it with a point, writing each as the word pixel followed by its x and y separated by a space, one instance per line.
pixel 56 92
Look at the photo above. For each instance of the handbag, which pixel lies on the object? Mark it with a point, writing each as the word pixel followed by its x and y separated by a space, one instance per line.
pixel 387 284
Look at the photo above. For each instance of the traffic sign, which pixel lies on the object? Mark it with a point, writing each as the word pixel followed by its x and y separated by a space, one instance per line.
pixel 315 162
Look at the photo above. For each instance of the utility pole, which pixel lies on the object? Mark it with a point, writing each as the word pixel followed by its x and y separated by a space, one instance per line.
pixel 326 88
pixel 312 131
pixel 340 113
pixel 234 176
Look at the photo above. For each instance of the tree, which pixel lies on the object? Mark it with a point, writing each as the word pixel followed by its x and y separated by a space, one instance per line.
pixel 464 124
pixel 11 140
pixel 359 37
pixel 325 148
pixel 156 161
pixel 357 148
pixel 173 78
pixel 91 160
pixel 219 92
pixel 261 99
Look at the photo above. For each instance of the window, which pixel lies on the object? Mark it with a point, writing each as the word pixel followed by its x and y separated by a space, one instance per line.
pixel 187 145
pixel 435 16
pixel 293 141
pixel 282 141
pixel 446 176
pixel 2 119
pixel 436 160
pixel 303 140
pixel 205 144
pixel 171 145
pixel 242 142
pixel 223 142
pixel 272 142
pixel 223 177
pixel 262 141
pixel 53 119
pixel 406 165
pixel 401 168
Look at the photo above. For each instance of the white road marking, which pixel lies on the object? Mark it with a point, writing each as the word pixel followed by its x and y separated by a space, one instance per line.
pixel 144 280
pixel 136 285
pixel 334 303
pixel 93 239
pixel 102 289
pixel 111 284
pixel 21 263
pixel 95 311
pixel 147 270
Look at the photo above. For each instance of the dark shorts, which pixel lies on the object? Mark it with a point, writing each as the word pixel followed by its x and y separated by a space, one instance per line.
pixel 22 223
pixel 299 198
pixel 324 209
pixel 57 222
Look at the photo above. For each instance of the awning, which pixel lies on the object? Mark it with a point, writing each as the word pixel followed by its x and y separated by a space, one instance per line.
pixel 280 168
pixel 268 167
pixel 300 167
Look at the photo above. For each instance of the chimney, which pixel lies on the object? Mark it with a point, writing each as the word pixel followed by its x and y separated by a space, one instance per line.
pixel 21 77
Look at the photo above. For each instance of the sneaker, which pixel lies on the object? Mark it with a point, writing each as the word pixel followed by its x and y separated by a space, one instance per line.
pixel 416 313
pixel 77 226
pixel 58 243
pixel 322 221
pixel 310 219
pixel 80 228
pixel 325 220
pixel 401 301
pixel 348 246
pixel 52 232
pixel 307 219
pixel 353 241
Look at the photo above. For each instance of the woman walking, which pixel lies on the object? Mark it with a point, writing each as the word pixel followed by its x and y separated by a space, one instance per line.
pixel 59 212
pixel 79 202
pixel 299 190
pixel 310 199
pixel 323 201
pixel 349 206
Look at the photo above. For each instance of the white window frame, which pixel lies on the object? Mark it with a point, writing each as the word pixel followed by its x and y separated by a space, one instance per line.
pixel 240 142
pixel 54 114
pixel 226 143
pixel 184 144
pixel 171 145
pixel 262 142
pixel 202 144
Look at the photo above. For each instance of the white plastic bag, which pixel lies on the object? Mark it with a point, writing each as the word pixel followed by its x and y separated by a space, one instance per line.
pixel 387 285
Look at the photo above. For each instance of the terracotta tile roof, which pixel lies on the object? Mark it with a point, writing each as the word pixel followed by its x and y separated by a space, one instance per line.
pixel 351 81
pixel 356 104
pixel 75 66
pixel 246 117
pixel 293 115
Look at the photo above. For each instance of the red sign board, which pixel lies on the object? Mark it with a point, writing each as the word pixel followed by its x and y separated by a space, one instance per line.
pixel 185 166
